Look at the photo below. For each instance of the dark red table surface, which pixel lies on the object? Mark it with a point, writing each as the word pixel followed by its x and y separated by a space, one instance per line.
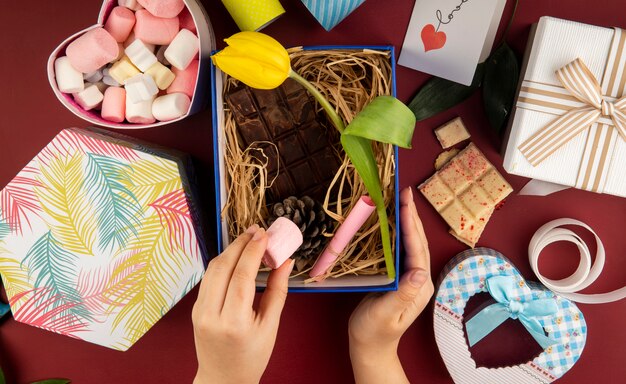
pixel 312 341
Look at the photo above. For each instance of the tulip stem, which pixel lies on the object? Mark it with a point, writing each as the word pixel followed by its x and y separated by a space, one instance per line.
pixel 332 114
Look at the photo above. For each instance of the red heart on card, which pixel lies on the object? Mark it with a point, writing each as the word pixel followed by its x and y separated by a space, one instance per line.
pixel 431 38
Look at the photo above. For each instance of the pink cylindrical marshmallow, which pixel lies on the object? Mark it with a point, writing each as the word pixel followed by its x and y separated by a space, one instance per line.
pixel 114 104
pixel 120 23
pixel 155 30
pixel 186 21
pixel 163 8
pixel 359 214
pixel 185 81
pixel 92 50
pixel 283 239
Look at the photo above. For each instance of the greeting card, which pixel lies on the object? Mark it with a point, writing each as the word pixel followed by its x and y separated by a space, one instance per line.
pixel 448 38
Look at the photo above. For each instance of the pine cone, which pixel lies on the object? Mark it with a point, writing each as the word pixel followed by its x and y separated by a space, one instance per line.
pixel 309 215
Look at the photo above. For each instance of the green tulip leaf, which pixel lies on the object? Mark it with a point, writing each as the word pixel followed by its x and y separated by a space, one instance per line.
pixel 374 120
pixel 2 379
pixel 386 120
pixel 53 381
pixel 500 85
pixel 438 95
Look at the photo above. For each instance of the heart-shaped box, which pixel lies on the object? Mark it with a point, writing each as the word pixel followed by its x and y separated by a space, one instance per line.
pixel 200 95
pixel 464 276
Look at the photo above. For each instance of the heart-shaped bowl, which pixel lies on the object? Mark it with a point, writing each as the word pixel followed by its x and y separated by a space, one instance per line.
pixel 200 95
pixel 463 277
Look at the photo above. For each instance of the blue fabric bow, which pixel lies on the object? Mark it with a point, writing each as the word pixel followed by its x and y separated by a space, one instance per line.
pixel 501 289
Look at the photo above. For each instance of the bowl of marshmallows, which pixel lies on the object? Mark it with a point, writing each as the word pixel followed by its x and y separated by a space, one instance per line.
pixel 143 64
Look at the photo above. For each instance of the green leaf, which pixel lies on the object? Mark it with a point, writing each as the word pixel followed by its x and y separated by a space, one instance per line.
pixel 387 120
pixel 2 379
pixel 374 120
pixel 438 95
pixel 52 381
pixel 500 85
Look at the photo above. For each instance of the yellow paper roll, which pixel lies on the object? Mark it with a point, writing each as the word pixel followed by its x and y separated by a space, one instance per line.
pixel 253 15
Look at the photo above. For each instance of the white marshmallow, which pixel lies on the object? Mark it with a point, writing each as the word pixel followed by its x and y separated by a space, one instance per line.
pixel 161 55
pixel 170 107
pixel 140 87
pixel 68 79
pixel 101 86
pixel 140 55
pixel 94 76
pixel 140 113
pixel 182 49
pixel 89 98
pixel 133 5
pixel 131 39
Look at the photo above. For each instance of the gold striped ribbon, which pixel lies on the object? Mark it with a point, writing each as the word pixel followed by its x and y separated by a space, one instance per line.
pixel 581 104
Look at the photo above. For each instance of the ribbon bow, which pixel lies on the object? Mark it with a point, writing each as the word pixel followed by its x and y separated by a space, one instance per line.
pixel 501 289
pixel 583 85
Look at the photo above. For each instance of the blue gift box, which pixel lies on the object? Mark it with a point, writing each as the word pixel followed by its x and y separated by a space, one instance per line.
pixel 352 283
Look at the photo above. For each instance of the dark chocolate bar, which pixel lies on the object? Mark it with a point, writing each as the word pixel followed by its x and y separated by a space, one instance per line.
pixel 307 157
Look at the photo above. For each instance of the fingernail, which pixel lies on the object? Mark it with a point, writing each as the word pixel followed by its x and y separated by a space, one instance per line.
pixel 410 192
pixel 252 229
pixel 418 277
pixel 258 234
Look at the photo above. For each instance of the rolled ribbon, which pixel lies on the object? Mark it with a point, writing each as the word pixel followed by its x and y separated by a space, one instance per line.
pixel 585 274
pixel 329 13
pixel 253 15
pixel 502 289
pixel 359 214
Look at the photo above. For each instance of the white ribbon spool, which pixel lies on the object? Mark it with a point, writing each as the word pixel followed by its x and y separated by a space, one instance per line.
pixel 585 274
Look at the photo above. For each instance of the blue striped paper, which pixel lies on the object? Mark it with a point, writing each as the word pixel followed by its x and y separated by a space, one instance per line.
pixel 329 13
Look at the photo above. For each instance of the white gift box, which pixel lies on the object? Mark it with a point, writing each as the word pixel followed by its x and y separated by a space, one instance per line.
pixel 594 159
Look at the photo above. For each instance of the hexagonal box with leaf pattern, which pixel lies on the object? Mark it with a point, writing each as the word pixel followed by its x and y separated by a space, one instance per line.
pixel 99 237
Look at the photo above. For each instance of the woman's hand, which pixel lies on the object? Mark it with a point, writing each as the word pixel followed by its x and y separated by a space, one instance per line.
pixel 378 322
pixel 233 340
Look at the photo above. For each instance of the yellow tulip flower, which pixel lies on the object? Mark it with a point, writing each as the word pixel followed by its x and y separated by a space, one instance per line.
pixel 255 59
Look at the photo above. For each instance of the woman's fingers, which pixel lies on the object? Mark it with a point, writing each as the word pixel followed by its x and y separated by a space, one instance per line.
pixel 241 289
pixel 413 237
pixel 219 271
pixel 392 305
pixel 275 294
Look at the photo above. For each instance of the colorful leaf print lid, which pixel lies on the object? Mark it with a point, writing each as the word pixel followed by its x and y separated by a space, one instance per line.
pixel 99 237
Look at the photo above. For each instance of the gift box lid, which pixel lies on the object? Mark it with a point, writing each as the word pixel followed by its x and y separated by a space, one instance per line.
pixel 593 159
pixel 99 237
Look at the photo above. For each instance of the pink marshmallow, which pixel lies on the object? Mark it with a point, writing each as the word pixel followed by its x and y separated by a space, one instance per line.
pixel 155 30
pixel 283 239
pixel 114 104
pixel 163 8
pixel 185 80
pixel 120 23
pixel 92 50
pixel 186 21
pixel 359 214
